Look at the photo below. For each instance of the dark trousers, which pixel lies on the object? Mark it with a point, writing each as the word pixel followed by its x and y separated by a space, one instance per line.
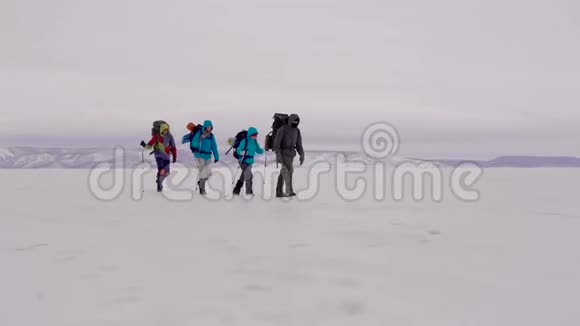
pixel 285 177
pixel 247 177
pixel 163 169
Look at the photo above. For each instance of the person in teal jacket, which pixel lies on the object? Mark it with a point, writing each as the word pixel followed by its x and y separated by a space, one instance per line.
pixel 247 149
pixel 204 145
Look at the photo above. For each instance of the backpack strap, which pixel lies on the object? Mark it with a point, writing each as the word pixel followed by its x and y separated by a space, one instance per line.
pixel 156 146
pixel 246 150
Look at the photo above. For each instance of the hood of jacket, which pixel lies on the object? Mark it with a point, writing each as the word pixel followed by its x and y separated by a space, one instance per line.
pixel 207 123
pixel 252 131
pixel 164 128
pixel 294 119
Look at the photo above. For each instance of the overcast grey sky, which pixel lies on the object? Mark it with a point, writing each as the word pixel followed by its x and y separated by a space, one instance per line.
pixel 455 76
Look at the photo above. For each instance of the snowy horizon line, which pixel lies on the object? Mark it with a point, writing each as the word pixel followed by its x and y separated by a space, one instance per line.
pixel 23 157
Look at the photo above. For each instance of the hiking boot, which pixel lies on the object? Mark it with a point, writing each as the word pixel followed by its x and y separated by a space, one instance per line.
pixel 238 187
pixel 249 187
pixel 279 186
pixel 201 184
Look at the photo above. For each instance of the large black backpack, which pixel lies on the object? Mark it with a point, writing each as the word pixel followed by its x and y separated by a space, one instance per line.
pixel 280 119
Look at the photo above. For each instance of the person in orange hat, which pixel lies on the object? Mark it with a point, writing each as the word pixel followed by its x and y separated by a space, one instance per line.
pixel 187 138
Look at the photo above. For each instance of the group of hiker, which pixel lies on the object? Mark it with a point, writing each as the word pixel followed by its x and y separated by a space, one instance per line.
pixel 285 140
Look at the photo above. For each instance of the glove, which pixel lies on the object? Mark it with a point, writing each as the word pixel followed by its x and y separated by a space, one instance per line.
pixel 174 159
pixel 301 160
pixel 215 161
pixel 143 143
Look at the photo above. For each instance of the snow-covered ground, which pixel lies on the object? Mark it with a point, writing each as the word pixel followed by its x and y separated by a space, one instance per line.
pixel 510 258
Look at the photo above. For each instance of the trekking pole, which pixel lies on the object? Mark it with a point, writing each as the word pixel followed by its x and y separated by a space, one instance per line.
pixel 143 164
pixel 229 150
pixel 236 173
pixel 265 164
pixel 239 166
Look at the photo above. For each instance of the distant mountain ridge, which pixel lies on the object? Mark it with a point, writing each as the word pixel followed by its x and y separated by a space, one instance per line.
pixel 86 158
pixel 521 161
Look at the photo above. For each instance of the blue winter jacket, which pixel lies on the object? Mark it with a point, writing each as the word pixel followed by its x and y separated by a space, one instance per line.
pixel 207 145
pixel 249 147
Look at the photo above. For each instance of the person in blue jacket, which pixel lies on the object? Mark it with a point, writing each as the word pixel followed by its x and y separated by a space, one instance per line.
pixel 247 149
pixel 205 145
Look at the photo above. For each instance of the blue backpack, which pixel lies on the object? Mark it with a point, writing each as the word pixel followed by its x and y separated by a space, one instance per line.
pixel 187 138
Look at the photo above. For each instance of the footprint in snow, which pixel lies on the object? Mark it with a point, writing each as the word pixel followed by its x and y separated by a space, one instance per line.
pixel 434 232
pixel 352 308
pixel 257 288
pixel 31 247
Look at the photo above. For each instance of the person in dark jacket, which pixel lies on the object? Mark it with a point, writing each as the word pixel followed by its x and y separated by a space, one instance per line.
pixel 163 146
pixel 287 143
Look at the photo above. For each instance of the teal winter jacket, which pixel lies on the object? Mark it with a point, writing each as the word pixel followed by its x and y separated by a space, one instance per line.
pixel 249 147
pixel 206 146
